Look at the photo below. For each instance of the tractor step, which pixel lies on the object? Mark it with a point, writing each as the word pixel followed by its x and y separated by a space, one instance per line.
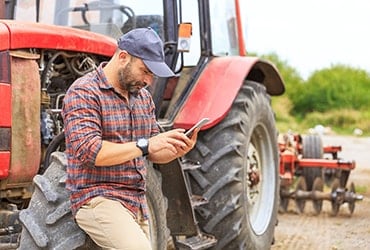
pixel 198 242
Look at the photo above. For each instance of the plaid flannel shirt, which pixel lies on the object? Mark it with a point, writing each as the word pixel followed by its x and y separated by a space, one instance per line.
pixel 93 111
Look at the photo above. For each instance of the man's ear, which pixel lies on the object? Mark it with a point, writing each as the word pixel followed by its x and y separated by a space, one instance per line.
pixel 123 56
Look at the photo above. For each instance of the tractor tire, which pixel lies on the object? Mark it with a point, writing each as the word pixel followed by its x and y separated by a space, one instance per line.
pixel 157 204
pixel 239 173
pixel 48 222
pixel 312 148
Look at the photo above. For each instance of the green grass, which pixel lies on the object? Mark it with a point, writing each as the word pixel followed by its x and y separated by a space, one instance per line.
pixel 341 121
pixel 361 189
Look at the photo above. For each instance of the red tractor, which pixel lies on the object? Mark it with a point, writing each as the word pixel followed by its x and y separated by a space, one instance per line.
pixel 224 194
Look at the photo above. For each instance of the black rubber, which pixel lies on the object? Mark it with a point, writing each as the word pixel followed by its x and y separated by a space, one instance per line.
pixel 48 223
pixel 239 214
pixel 312 148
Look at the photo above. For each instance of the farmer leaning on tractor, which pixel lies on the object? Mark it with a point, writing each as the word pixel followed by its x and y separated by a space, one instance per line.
pixel 110 127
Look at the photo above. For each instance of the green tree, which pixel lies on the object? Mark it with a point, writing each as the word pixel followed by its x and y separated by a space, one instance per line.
pixel 338 96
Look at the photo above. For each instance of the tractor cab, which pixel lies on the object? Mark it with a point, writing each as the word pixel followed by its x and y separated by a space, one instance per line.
pixel 193 33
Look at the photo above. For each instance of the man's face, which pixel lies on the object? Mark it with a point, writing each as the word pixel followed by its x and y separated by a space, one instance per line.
pixel 134 76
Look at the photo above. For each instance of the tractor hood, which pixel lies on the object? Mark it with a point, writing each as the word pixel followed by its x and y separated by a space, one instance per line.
pixel 20 35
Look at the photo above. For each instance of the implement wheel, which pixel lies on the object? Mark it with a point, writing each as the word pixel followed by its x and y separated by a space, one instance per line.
pixel 318 185
pixel 300 186
pixel 335 202
pixel 284 199
pixel 351 204
pixel 312 148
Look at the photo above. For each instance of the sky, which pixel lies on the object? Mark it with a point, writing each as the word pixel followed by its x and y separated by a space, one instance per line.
pixel 311 34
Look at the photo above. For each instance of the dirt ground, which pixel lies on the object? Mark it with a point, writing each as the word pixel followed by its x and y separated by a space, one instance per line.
pixel 324 231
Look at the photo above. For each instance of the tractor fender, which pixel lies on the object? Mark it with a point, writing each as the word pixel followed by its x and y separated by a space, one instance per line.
pixel 219 84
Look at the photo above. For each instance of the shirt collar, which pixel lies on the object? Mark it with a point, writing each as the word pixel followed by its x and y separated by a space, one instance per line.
pixel 103 83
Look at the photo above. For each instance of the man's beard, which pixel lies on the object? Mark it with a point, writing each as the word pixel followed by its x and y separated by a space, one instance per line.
pixel 127 82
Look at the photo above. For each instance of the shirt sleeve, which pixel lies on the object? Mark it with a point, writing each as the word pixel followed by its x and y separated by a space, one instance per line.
pixel 82 124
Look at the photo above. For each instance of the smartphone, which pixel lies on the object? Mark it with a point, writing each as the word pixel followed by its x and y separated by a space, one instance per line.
pixel 199 124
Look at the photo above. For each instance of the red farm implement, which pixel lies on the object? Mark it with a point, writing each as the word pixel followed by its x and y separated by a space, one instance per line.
pixel 306 167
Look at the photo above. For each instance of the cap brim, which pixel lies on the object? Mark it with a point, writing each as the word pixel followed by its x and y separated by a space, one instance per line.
pixel 159 68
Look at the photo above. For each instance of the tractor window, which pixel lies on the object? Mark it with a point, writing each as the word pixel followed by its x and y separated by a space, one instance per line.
pixel 109 17
pixel 223 28
pixel 189 14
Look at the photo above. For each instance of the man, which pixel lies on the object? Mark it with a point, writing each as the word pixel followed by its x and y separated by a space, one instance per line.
pixel 110 127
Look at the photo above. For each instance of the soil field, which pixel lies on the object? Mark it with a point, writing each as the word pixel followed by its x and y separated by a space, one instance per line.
pixel 324 231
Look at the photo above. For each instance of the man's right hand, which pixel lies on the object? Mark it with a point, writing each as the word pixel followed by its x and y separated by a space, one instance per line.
pixel 170 145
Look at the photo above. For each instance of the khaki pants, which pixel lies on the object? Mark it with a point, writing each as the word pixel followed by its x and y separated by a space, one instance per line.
pixel 112 226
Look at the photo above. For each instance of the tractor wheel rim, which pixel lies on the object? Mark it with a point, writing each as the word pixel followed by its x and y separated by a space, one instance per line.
pixel 260 181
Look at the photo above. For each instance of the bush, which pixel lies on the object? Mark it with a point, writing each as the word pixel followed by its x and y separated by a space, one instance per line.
pixel 339 87
pixel 336 97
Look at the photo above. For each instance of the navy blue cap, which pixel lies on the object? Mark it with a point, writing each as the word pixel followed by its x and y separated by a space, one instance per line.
pixel 145 44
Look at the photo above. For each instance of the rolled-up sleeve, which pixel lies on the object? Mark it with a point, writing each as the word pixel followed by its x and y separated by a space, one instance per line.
pixel 81 115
